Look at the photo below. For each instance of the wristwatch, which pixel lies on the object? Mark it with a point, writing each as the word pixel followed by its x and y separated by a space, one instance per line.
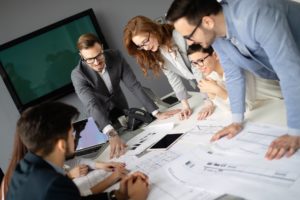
pixel 112 195
pixel 112 133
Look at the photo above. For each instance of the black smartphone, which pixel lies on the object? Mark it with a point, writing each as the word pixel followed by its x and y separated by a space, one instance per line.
pixel 166 142
pixel 170 100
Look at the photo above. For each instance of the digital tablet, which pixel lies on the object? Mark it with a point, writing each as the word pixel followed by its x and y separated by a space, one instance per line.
pixel 166 142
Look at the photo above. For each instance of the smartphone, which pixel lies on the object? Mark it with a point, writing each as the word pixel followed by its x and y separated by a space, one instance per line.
pixel 166 142
pixel 170 100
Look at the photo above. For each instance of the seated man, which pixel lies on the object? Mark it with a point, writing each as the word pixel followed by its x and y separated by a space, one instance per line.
pixel 96 80
pixel 207 61
pixel 46 131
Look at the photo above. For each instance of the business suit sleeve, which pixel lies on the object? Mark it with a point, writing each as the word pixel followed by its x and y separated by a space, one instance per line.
pixel 272 32
pixel 62 188
pixel 87 96
pixel 176 84
pixel 235 81
pixel 130 81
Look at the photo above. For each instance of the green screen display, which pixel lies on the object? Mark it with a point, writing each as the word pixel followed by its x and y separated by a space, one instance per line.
pixel 43 63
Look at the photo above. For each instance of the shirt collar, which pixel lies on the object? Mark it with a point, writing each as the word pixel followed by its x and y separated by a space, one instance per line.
pixel 56 168
pixel 103 70
pixel 226 13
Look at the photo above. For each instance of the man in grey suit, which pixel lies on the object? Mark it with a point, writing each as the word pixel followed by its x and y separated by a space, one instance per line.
pixel 96 80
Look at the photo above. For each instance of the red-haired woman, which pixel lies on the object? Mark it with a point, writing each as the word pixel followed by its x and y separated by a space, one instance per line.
pixel 158 47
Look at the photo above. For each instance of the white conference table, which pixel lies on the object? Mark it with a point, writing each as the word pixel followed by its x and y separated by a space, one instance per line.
pixel 270 111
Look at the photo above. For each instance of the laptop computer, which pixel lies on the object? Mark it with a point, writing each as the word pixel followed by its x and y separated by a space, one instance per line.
pixel 88 138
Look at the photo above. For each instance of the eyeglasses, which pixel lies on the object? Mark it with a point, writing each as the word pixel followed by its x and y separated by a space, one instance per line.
pixel 144 43
pixel 189 37
pixel 99 57
pixel 200 62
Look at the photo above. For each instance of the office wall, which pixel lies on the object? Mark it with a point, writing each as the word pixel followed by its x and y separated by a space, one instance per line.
pixel 18 18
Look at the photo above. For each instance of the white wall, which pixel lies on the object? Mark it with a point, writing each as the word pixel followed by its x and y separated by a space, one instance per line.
pixel 18 18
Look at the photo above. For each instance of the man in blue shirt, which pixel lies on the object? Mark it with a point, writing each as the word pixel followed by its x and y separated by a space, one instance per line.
pixel 261 36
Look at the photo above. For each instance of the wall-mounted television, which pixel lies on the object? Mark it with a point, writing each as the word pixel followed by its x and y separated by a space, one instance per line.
pixel 37 67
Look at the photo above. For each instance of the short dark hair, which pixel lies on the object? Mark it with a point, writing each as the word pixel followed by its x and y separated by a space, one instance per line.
pixel 193 10
pixel 87 40
pixel 198 48
pixel 41 126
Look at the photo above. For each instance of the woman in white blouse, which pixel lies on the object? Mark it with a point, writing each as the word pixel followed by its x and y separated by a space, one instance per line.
pixel 213 83
pixel 158 47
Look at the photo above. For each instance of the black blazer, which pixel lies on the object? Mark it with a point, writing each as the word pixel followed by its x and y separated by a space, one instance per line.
pixel 1 175
pixel 35 179
pixel 94 94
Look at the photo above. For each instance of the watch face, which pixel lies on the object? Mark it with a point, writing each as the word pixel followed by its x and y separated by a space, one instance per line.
pixel 112 133
pixel 112 195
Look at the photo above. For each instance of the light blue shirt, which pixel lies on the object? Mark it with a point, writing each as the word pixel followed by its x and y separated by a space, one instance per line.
pixel 263 37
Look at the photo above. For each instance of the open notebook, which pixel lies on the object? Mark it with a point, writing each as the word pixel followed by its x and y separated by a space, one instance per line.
pixel 88 138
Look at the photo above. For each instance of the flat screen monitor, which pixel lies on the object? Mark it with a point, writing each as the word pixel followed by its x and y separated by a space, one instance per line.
pixel 37 67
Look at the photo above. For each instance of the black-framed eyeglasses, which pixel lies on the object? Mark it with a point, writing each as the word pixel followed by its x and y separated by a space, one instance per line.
pixel 99 57
pixel 144 43
pixel 189 37
pixel 200 62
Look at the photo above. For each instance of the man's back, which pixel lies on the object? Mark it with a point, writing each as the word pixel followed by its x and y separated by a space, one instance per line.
pixel 35 179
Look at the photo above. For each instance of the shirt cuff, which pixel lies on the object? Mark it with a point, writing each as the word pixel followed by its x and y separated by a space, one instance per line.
pixel 107 129
pixel 154 112
pixel 237 118
pixel 208 102
pixel 294 131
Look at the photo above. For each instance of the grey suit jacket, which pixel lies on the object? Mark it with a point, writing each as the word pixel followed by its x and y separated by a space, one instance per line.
pixel 94 94
pixel 174 73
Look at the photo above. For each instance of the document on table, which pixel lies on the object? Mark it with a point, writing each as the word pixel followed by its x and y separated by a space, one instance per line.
pixel 149 136
pixel 237 175
pixel 149 162
pixel 163 187
pixel 254 139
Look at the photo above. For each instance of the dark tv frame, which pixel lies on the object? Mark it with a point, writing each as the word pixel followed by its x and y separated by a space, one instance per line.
pixel 60 92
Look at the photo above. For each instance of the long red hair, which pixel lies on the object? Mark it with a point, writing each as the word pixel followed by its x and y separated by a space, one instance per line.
pixel 147 60
pixel 19 151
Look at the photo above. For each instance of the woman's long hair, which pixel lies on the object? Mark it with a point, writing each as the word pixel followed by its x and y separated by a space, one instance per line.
pixel 147 60
pixel 19 151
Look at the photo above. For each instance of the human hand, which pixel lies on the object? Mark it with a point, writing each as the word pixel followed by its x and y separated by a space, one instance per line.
pixel 117 146
pixel 206 111
pixel 166 114
pixel 118 173
pixel 137 190
pixel 109 166
pixel 138 186
pixel 185 113
pixel 208 86
pixel 229 131
pixel 79 170
pixel 284 145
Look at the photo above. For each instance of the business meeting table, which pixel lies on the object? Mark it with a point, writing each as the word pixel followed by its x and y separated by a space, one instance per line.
pixel 195 168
